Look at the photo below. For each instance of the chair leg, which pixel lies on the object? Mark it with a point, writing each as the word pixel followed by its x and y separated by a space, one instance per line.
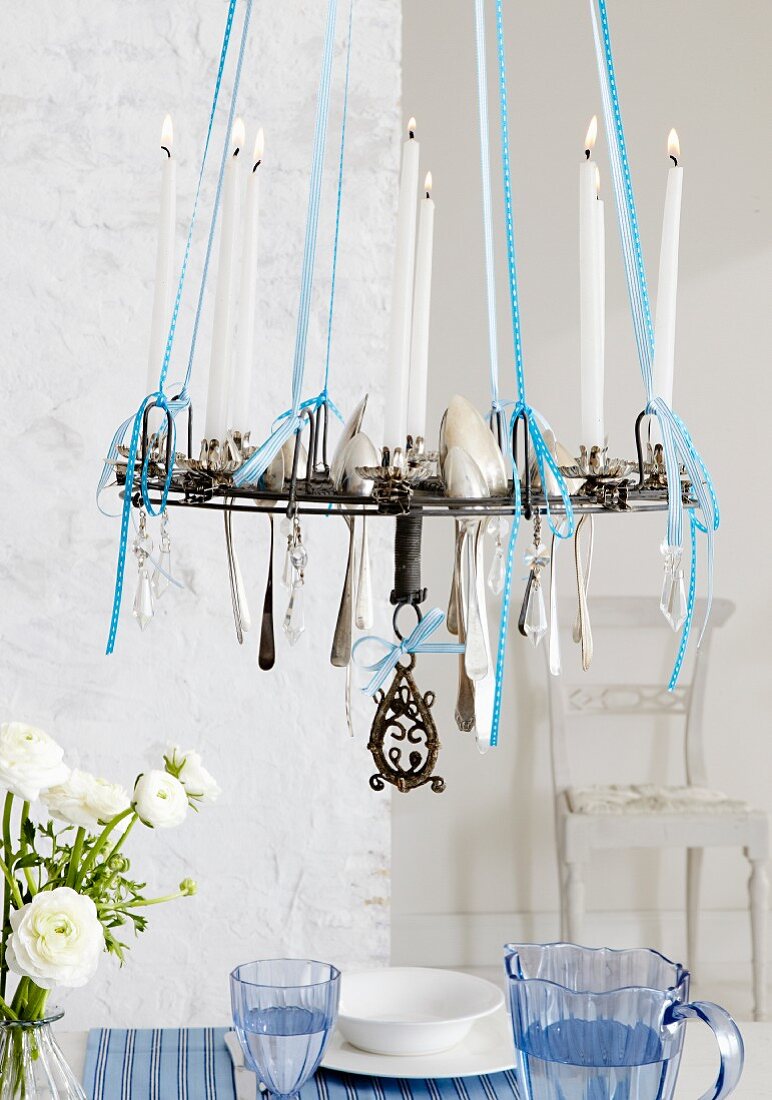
pixel 562 875
pixel 758 889
pixel 575 900
pixel 693 875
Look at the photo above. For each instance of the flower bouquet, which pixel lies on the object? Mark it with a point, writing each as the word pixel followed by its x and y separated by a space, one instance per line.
pixel 67 887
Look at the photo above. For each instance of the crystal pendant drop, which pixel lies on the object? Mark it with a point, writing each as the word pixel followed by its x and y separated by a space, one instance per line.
pixel 160 581
pixel 535 615
pixel 673 601
pixel 143 600
pixel 497 571
pixel 294 621
pixel 287 572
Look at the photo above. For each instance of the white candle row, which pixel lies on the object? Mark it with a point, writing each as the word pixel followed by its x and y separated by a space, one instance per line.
pixel 592 289
pixel 411 304
pixel 230 382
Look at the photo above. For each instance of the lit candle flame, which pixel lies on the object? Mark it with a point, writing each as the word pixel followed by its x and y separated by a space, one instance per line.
pixel 259 147
pixel 167 135
pixel 592 135
pixel 597 181
pixel 428 185
pixel 411 124
pixel 238 135
pixel 673 146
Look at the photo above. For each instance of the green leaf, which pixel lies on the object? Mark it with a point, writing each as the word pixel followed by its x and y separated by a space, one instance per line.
pixel 32 859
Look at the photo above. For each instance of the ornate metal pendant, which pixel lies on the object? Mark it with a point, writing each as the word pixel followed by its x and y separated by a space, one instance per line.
pixel 403 739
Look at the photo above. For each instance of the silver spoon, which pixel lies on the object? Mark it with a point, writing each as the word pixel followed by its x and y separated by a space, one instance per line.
pixel 266 653
pixel 464 480
pixel 241 616
pixel 359 451
pixel 364 603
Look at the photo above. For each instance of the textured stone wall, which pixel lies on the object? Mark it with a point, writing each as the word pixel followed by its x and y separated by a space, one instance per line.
pixel 295 857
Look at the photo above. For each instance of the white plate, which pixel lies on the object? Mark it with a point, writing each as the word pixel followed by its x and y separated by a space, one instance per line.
pixel 487 1049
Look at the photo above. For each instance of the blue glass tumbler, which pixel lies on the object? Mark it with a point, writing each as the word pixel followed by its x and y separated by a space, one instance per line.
pixel 284 1011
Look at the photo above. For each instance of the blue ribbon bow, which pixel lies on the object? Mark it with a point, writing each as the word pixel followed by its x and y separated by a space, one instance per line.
pixel 677 443
pixel 414 643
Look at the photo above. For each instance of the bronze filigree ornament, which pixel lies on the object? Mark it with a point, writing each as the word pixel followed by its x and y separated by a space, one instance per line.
pixel 403 740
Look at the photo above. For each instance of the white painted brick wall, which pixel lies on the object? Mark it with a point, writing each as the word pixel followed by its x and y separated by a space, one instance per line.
pixel 295 857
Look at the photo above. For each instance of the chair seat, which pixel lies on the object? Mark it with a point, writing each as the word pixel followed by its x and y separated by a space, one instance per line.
pixel 648 798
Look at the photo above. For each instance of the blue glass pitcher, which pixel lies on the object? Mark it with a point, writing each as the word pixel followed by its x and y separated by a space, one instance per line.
pixel 598 1024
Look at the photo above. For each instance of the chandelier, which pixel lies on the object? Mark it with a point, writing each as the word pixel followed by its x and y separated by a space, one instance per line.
pixel 488 471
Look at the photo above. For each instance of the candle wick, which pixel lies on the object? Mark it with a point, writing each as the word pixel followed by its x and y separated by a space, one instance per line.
pixel 167 151
pixel 674 160
pixel 236 151
pixel 587 154
pixel 256 165
pixel 411 134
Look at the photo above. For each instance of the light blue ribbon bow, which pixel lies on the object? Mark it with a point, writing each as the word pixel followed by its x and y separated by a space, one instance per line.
pixel 414 643
pixel 677 443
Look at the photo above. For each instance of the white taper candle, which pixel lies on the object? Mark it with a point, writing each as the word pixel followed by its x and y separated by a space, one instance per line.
pixel 667 287
pixel 591 296
pixel 163 295
pixel 395 427
pixel 241 388
pixel 422 298
pixel 222 332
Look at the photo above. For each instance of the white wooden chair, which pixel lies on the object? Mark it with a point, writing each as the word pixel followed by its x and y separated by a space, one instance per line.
pixel 647 816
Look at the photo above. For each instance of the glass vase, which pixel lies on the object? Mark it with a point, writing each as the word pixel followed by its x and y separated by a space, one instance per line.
pixel 32 1067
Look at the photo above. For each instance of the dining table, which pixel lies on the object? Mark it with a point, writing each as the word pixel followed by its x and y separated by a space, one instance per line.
pixel 698 1067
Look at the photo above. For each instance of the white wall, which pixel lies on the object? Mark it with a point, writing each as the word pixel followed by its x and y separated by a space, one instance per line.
pixel 478 862
pixel 295 857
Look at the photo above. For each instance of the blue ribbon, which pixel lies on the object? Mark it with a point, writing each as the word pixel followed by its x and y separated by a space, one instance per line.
pixel 520 408
pixel 159 399
pixel 677 443
pixel 417 642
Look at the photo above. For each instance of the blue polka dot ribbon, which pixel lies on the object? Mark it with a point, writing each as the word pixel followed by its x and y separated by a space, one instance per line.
pixel 417 642
pixel 159 399
pixel 679 449
pixel 562 527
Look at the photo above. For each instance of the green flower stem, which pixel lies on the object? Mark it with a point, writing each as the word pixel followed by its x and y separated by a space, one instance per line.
pixel 19 1002
pixel 123 838
pixel 7 1011
pixel 36 1002
pixel 140 903
pixel 12 886
pixel 7 890
pixel 77 852
pixel 91 858
pixel 23 849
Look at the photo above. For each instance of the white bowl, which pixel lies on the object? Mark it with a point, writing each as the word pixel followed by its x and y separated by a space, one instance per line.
pixel 412 1010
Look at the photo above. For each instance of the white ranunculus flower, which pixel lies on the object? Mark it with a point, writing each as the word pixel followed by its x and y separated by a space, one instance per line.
pixel 197 781
pixel 160 800
pixel 30 761
pixel 85 800
pixel 56 939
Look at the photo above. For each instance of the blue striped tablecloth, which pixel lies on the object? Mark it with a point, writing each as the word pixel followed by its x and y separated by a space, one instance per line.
pixel 194 1064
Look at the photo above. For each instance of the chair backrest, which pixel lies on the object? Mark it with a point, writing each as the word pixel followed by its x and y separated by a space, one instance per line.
pixel 576 702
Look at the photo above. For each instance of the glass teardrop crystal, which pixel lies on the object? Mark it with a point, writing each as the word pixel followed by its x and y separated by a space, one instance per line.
pixel 160 581
pixel 497 572
pixel 535 624
pixel 143 600
pixel 673 603
pixel 294 621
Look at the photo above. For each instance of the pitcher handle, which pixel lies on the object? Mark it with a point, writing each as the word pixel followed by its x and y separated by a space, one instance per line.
pixel 730 1043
